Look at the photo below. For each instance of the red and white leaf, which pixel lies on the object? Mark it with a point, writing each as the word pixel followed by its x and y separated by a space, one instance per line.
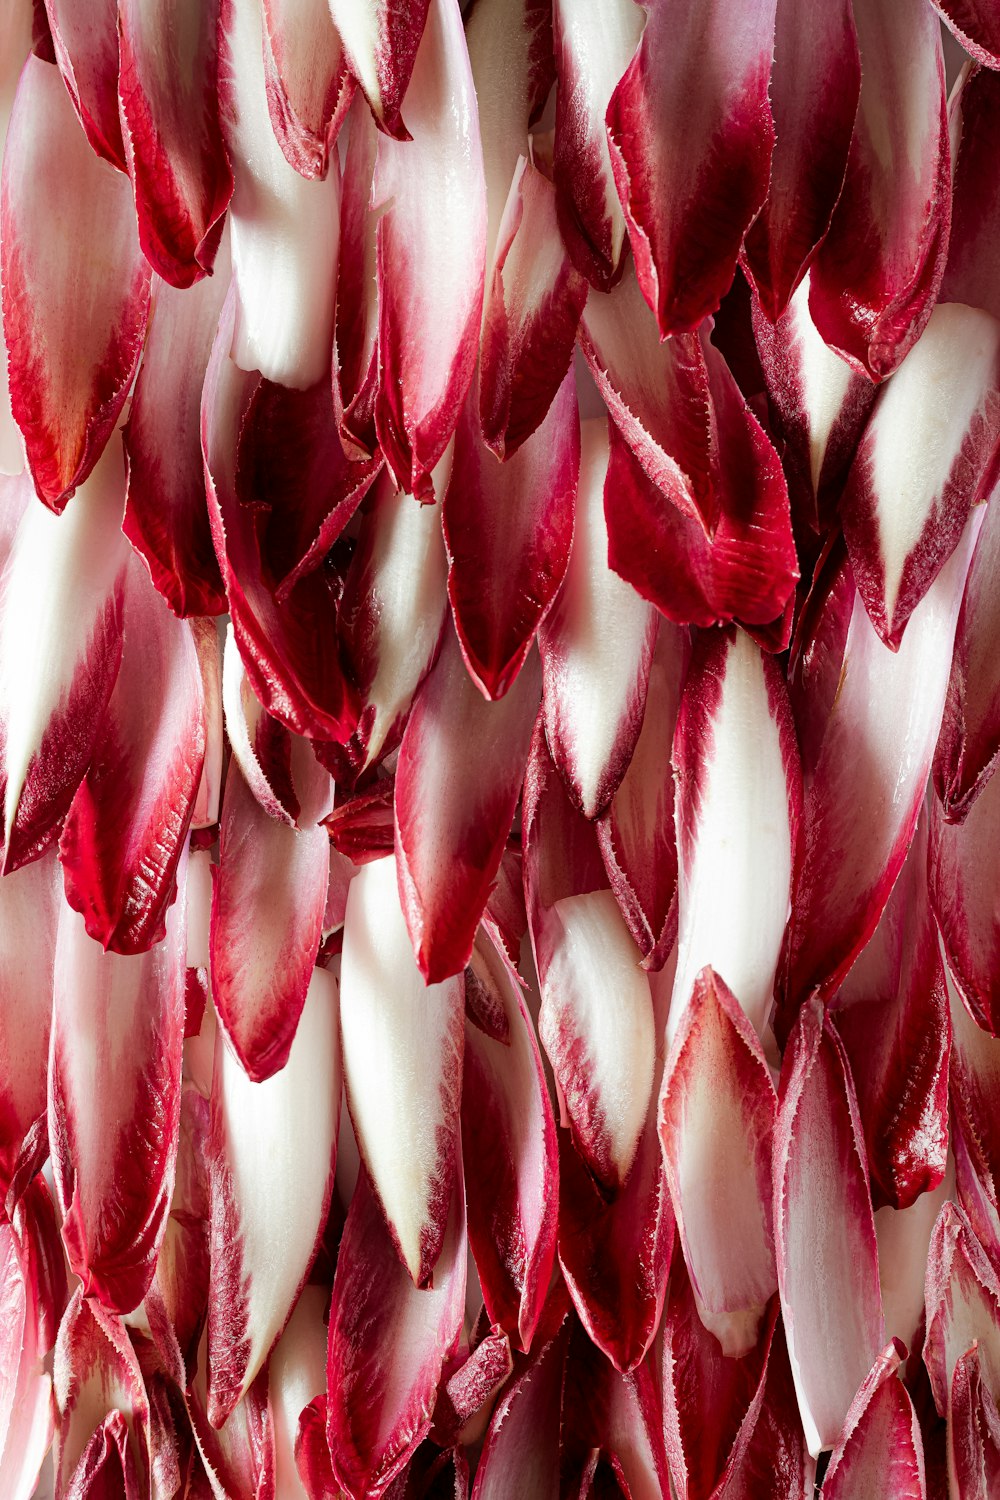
pixel 99 1394
pixel 872 742
pixel 355 354
pixel 75 286
pixel 296 1375
pixel 691 137
pixel 128 823
pixel 26 1406
pixel 880 1449
pixel 114 1102
pixel 969 742
pixel 904 1235
pixel 403 1044
pixel 738 801
pixel 975 24
pixel 309 88
pixel 534 298
pixel 973 1075
pixel 892 1016
pixel 963 1305
pixel 612 1431
pixel 389 1343
pixel 717 1118
pixel 168 88
pixel 824 1231
pixel 876 275
pixel 596 646
pixel 962 877
pixel 273 1153
pixel 16 27
pixel 267 920
pixel 508 1133
pixel 458 778
pixel 381 41
pixel 238 1456
pixel 972 274
pixel 521 1451
pixel 815 83
pixel 509 528
pixel 973 1432
pixel 775 1463
pixel 929 453
pixel 85 43
pixel 285 228
pixel 29 908
pixel 593 47
pixel 431 249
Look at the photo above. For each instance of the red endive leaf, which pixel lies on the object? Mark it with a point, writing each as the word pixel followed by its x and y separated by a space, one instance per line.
pixel 711 1401
pixel 402 1067
pixel 458 778
pixel 615 1250
pixel 880 1448
pixel 962 884
pixel 593 47
pixel 114 1102
pixel 975 24
pixel 963 1305
pixel 431 248
pixel 180 1285
pixel 29 906
pixel 173 141
pixel 26 1408
pixel 748 571
pixel 904 1235
pixel 775 1463
pixel 166 515
pixel 508 528
pixel 284 227
pixel 381 44
pixel 309 89
pixel 867 773
pixel 509 1133
pixel 612 1431
pixel 128 823
pixel 363 828
pixel 596 646
pixel 74 318
pixel 717 1118
pixel 296 1375
pixel 929 453
pixel 973 1079
pixel 818 405
pixel 289 647
pixel 815 84
pixel 100 1395
pixel 521 1452
pixel 877 273
pixel 15 44
pixel 267 918
pixel 466 1398
pixel 969 742
pixel 738 803
pixel 388 1344
pixel 973 1432
pixel 355 353
pixel 972 274
pixel 208 646
pixel 273 1152
pixel 392 611
pixel 691 137
pixel 85 42
pixel 237 1457
pixel 824 1232
pixel 534 299
pixel 892 1016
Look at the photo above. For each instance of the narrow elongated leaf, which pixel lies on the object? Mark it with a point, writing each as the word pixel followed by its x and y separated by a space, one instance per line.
pixel 904 1235
pixel 309 89
pixel 975 24
pixel 880 1447
pixel 126 828
pixel 867 774
pixel 691 137
pixel 458 777
pixel 877 273
pixel 60 648
pixel 824 1232
pixel 969 742
pixel 29 910
pixel 815 83
pixel 355 354
pixel 975 1067
pixel 737 809
pixel 388 1343
pixel 596 647
pixel 929 453
pixel 85 43
pixel 237 1457
pixel 15 44
pixel 775 1463
pixel 402 1067
pixel 962 880
pixel 973 1431
pixel 522 1446
pixel 285 230
pixel 173 140
pixel 32 1303
pixel 509 529
pixel 963 1305
pixel 273 1153
pixel 296 1375
pixel 100 1395
pixel 717 1116
pixel 381 42
pixel 611 1423
pixel 593 47
pixel 972 274
pixel 509 1134
pixel 267 919
pixel 74 316
pixel 534 298
pixel 431 250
